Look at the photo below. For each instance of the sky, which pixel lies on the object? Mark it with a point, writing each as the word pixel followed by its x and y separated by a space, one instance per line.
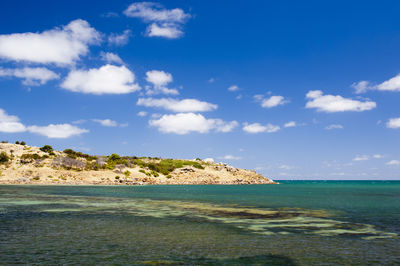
pixel 291 89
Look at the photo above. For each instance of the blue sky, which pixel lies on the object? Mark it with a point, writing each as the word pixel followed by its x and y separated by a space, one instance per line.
pixel 295 90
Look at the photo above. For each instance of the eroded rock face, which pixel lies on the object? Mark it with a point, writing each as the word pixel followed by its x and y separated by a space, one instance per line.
pixel 66 162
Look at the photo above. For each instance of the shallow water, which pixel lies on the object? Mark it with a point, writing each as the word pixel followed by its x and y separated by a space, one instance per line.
pixel 294 223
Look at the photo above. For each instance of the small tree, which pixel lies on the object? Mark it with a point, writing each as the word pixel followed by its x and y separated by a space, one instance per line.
pixel 22 143
pixel 47 148
pixel 17 142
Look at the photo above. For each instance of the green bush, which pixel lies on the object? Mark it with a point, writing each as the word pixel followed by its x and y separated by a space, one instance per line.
pixel 17 142
pixel 74 154
pixel 4 158
pixel 48 149
pixel 4 141
pixel 166 166
pixel 22 143
pixel 127 173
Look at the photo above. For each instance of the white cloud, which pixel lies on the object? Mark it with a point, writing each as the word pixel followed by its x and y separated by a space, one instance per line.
pixel 211 80
pixel 258 128
pixel 361 158
pixel 184 123
pixel 230 157
pixel 111 58
pixel 142 113
pixel 336 103
pixel 107 79
pixel 166 30
pixel 393 162
pixel 290 124
pixel 106 122
pixel 119 39
pixel 60 131
pixel 62 46
pixel 273 101
pixel 32 76
pixel 159 79
pixel 392 84
pixel 179 106
pixel 393 123
pixel 361 86
pixel 233 88
pixel 164 22
pixel 10 123
pixel 148 12
pixel 334 126
pixel 377 156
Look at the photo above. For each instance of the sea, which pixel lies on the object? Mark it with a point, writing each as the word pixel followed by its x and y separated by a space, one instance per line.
pixel 292 223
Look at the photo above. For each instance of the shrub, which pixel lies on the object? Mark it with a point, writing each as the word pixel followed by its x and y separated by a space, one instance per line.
pixel 4 158
pixel 22 143
pixel 17 142
pixel 168 176
pixel 117 177
pixel 4 141
pixel 48 149
pixel 74 154
pixel 36 178
pixel 127 173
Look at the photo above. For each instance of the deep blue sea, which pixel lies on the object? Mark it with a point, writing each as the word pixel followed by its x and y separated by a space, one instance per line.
pixel 293 223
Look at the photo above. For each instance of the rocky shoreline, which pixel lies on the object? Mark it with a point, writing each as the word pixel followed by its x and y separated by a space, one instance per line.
pixel 22 164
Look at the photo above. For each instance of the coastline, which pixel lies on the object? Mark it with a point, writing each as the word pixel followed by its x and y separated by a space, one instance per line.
pixel 30 165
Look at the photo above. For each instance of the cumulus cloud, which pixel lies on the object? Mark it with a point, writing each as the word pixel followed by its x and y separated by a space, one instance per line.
pixel 233 88
pixel 184 123
pixel 159 80
pixel 392 84
pixel 106 122
pixel 119 39
pixel 393 162
pixel 393 123
pixel 31 76
pixel 166 30
pixel 273 101
pixel 258 128
pixel 108 79
pixel 62 46
pixel 111 58
pixel 179 106
pixel 164 22
pixel 290 124
pixel 377 156
pixel 10 123
pixel 60 131
pixel 336 103
pixel 334 126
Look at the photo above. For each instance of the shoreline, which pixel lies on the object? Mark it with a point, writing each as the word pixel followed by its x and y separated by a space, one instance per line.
pixel 29 165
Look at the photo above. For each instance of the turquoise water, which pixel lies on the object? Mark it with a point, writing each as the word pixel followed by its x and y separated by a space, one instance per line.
pixel 294 223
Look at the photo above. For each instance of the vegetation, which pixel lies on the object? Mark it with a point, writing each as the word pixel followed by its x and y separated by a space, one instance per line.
pixel 4 158
pixel 4 141
pixel 22 143
pixel 48 149
pixel 33 156
pixel 77 154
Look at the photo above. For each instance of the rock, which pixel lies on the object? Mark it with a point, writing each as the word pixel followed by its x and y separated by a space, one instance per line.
pixel 66 162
